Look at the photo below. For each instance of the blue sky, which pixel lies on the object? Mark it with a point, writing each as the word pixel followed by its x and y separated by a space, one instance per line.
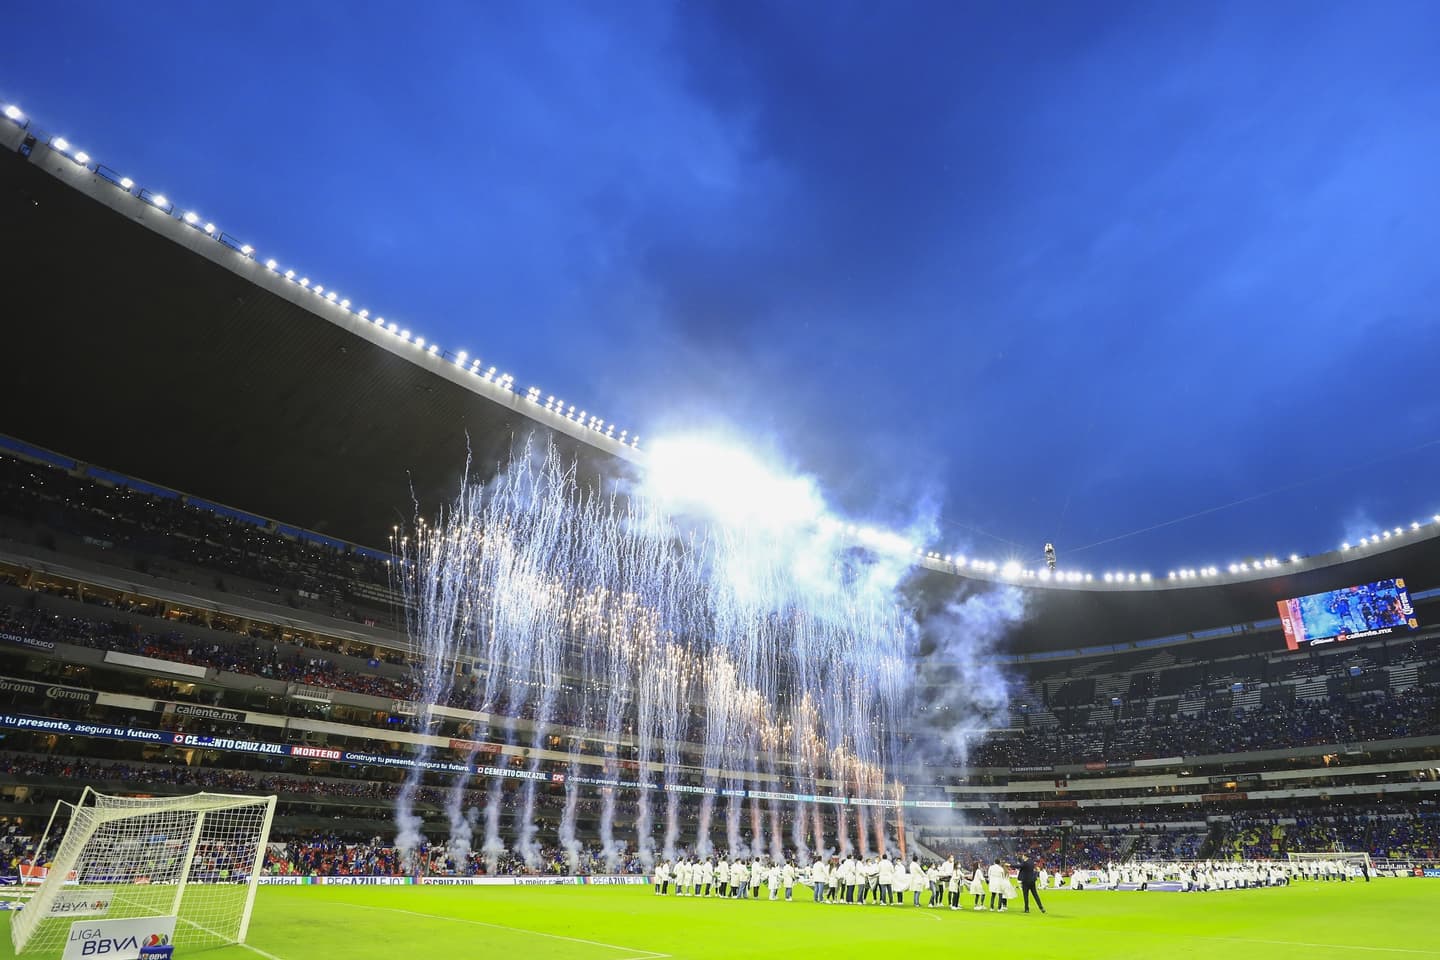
pixel 1048 270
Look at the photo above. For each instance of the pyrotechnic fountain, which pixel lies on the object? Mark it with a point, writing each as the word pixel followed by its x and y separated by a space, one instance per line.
pixel 534 595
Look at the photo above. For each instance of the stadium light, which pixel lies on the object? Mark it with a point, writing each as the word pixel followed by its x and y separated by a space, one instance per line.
pixel 14 113
pixel 1144 578
pixel 364 314
pixel 305 281
pixel 419 341
pixel 271 264
pixel 319 288
pixel 82 158
pixel 247 249
pixel 289 274
pixel 191 217
pixel 1294 558
pixel 1344 547
pixel 159 200
pixel 61 144
pixel 434 348
pixel 330 296
pixel 209 227
pixel 126 183
pixel 404 334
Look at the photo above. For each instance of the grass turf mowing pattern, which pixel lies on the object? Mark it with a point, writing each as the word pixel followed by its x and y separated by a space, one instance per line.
pixel 1393 918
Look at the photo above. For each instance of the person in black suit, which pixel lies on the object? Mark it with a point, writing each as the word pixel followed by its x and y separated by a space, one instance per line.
pixel 1026 873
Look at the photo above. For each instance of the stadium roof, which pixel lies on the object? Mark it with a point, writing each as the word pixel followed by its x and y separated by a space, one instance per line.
pixel 165 349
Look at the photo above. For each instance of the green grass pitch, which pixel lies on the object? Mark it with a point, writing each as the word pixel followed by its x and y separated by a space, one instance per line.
pixel 1395 918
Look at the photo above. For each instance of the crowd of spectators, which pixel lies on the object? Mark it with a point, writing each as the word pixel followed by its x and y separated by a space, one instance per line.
pixel 240 655
pixel 1331 720
pixel 184 539
pixel 1335 719
pixel 1399 832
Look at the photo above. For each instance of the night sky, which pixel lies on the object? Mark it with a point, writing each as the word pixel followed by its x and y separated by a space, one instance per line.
pixel 1044 270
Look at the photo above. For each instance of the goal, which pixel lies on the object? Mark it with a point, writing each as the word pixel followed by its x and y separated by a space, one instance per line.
pixel 1342 860
pixel 197 858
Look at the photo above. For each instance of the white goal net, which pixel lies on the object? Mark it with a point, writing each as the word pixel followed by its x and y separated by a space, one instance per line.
pixel 1333 863
pixel 197 858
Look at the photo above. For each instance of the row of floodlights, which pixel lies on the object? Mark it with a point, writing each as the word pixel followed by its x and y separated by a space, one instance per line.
pixel 559 408
pixel 1013 570
pixel 1384 535
pixel 462 360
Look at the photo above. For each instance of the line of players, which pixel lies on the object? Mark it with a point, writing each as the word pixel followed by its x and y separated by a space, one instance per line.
pixel 847 880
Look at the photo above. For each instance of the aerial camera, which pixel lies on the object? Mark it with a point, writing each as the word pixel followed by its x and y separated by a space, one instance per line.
pixel 1050 555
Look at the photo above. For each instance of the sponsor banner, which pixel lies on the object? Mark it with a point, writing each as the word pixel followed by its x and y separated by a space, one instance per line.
pixel 870 802
pixel 315 753
pixel 110 731
pixel 19 639
pixel 1428 872
pixel 833 800
pixel 534 881
pixel 19 688
pixel 1043 804
pixel 362 881
pixel 117 939
pixel 81 903
pixel 26 688
pixel 1042 768
pixel 283 881
pixel 1214 797
pixel 226 743
pixel 204 713
pixel 788 797
pixel 932 804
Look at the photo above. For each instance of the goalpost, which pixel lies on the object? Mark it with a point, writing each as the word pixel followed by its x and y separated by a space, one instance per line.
pixel 197 858
pixel 1343 859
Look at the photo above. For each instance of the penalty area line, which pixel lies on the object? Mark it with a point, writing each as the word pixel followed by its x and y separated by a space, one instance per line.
pixel 267 956
pixel 636 952
pixel 1325 946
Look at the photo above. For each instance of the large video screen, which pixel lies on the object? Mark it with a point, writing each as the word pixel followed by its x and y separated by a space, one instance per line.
pixel 1369 610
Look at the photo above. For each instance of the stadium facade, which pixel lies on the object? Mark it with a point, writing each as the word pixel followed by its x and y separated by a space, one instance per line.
pixel 202 464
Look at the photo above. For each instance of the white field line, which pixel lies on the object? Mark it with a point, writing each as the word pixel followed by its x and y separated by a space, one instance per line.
pixel 192 923
pixel 1324 946
pixel 638 953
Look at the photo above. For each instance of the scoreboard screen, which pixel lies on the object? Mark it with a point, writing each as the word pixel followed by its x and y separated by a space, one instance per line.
pixel 1351 613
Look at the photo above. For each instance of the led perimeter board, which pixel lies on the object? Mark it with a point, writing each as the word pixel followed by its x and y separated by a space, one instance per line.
pixel 1368 610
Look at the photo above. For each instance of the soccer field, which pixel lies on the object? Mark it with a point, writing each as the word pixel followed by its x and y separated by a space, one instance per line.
pixel 1394 918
